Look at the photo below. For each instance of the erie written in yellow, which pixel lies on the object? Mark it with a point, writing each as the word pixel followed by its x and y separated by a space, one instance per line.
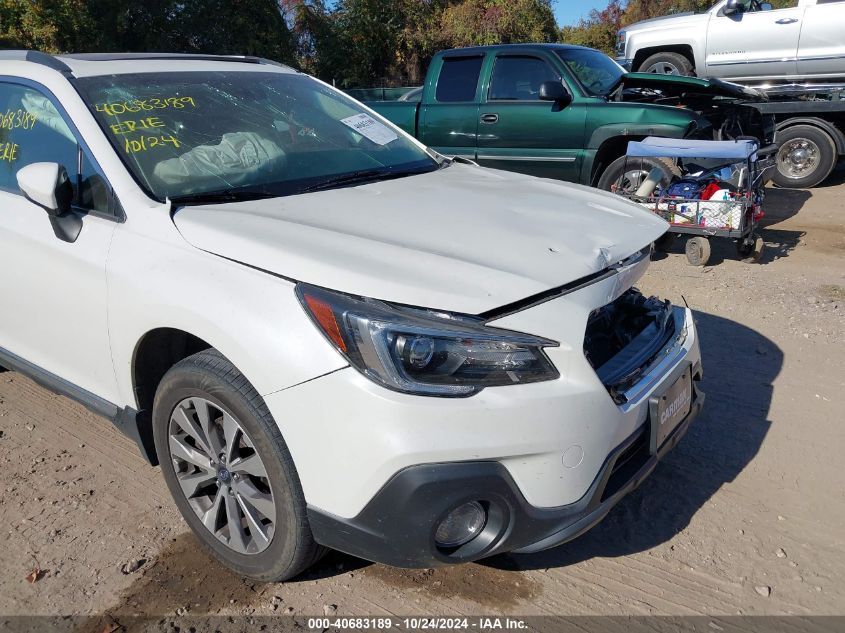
pixel 127 127
pixel 8 152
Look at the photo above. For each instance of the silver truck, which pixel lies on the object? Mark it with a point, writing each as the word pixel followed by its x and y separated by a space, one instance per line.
pixel 794 55
pixel 742 40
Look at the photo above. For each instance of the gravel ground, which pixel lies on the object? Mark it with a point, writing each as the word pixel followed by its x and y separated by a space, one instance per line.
pixel 744 517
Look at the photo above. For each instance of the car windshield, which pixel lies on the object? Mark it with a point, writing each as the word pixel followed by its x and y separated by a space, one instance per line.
pixel 596 72
pixel 241 134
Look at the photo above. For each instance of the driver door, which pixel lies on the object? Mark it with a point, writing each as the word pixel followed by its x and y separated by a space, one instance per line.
pixel 53 292
pixel 753 43
pixel 519 132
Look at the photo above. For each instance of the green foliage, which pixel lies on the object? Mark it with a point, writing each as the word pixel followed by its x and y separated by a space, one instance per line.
pixel 252 27
pixel 349 42
pixel 46 25
pixel 481 22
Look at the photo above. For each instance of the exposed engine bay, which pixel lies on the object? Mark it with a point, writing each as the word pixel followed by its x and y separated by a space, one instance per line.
pixel 624 337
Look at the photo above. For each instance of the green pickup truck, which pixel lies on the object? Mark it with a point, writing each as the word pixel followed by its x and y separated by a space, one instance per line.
pixel 564 112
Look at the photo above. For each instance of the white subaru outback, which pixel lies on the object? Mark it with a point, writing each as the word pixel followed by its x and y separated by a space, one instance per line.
pixel 328 335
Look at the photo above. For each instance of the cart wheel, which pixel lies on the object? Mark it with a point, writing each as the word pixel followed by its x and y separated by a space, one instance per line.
pixel 663 244
pixel 750 249
pixel 698 251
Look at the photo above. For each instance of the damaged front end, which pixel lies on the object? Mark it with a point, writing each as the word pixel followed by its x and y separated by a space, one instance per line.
pixel 629 336
pixel 729 110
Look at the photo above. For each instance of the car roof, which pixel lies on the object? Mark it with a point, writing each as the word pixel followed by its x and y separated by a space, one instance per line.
pixel 94 64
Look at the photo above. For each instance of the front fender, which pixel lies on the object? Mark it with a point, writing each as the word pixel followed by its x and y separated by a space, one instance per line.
pixel 605 133
pixel 251 317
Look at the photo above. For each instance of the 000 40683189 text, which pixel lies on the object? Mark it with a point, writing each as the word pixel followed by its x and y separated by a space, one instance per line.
pixel 141 105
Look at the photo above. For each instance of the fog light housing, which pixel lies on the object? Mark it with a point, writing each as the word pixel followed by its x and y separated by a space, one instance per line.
pixel 461 525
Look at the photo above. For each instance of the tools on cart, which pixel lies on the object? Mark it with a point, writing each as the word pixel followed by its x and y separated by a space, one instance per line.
pixel 719 192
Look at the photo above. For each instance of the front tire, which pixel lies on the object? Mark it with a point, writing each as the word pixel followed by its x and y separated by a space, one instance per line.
pixel 667 63
pixel 229 471
pixel 806 156
pixel 626 174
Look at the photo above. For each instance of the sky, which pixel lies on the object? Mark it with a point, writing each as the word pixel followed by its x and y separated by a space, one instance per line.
pixel 568 12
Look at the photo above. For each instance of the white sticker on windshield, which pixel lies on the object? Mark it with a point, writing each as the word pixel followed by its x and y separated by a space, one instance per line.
pixel 367 126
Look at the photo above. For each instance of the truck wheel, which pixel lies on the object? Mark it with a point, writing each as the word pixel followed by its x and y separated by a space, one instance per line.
pixel 625 175
pixel 806 156
pixel 667 63
pixel 229 470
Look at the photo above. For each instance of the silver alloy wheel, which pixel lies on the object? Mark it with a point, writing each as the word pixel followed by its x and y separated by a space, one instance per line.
pixel 222 475
pixel 663 68
pixel 798 157
pixel 630 181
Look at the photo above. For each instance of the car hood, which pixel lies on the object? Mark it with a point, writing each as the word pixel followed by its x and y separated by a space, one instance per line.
pixel 667 21
pixel 462 238
pixel 676 85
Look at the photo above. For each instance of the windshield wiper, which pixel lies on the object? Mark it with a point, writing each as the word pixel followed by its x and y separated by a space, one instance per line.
pixel 224 195
pixel 360 177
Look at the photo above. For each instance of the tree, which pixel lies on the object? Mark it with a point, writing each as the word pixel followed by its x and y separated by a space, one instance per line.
pixel 480 22
pixel 47 25
pixel 598 30
pixel 252 27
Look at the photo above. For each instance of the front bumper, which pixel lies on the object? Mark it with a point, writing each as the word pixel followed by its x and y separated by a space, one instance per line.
pixel 626 63
pixel 397 527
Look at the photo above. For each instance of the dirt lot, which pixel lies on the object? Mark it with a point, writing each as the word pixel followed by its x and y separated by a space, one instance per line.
pixel 745 517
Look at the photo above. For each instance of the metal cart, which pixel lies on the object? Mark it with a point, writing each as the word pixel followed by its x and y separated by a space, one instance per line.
pixel 739 170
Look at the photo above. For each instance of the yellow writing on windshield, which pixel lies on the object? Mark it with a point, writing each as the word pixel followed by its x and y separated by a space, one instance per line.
pixel 144 143
pixel 17 119
pixel 127 127
pixel 144 105
pixel 8 152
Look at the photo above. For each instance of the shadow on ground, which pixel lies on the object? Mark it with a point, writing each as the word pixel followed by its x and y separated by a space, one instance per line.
pixel 740 366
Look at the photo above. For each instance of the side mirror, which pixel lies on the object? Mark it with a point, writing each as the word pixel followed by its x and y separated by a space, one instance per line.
pixel 48 186
pixel 555 91
pixel 732 7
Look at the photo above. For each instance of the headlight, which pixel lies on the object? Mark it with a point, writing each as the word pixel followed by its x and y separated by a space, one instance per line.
pixel 620 43
pixel 422 351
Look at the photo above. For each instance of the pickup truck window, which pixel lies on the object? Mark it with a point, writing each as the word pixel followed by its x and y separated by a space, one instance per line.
pixel 32 130
pixel 596 72
pixel 458 79
pixel 243 134
pixel 518 78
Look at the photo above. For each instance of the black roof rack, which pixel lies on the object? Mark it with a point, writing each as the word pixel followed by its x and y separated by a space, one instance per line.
pixel 57 64
pixel 107 57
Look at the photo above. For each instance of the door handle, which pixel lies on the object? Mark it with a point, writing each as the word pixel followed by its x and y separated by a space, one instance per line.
pixel 787 21
pixel 489 118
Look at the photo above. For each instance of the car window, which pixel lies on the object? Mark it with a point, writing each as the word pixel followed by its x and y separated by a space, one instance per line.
pixel 32 130
pixel 258 133
pixel 596 72
pixel 753 6
pixel 458 79
pixel 518 78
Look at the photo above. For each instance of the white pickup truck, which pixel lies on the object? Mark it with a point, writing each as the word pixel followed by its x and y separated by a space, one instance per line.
pixel 742 40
